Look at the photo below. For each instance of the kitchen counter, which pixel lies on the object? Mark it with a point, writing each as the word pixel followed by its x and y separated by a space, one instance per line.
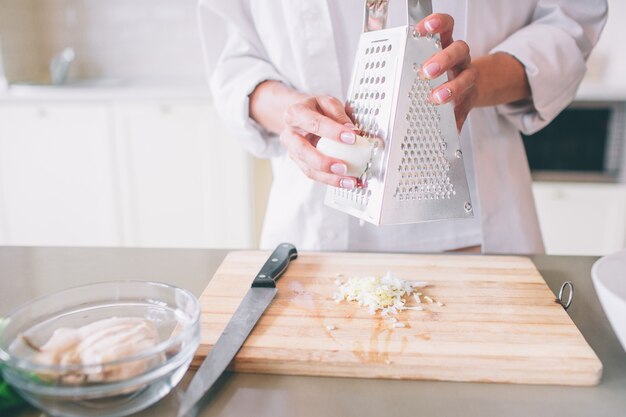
pixel 29 272
pixel 105 91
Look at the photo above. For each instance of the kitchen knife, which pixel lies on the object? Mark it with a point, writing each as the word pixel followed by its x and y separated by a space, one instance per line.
pixel 257 299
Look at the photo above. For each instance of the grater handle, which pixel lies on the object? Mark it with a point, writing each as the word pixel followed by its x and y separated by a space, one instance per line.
pixel 376 12
pixel 418 10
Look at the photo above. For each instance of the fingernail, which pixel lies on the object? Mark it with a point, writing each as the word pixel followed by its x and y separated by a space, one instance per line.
pixel 431 70
pixel 347 183
pixel 350 126
pixel 340 169
pixel 348 137
pixel 432 25
pixel 443 95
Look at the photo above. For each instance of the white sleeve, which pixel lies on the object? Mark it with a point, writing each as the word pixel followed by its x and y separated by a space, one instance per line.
pixel 236 63
pixel 553 48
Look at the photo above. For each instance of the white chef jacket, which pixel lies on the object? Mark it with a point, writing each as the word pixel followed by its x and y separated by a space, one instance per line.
pixel 293 41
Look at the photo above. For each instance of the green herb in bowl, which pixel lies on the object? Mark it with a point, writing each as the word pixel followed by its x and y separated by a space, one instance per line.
pixel 8 397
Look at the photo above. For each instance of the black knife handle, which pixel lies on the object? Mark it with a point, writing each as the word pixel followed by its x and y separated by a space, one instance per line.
pixel 274 267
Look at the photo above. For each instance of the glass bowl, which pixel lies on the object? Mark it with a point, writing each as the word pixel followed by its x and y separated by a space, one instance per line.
pixel 175 313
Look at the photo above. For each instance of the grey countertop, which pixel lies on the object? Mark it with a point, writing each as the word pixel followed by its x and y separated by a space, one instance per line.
pixel 28 272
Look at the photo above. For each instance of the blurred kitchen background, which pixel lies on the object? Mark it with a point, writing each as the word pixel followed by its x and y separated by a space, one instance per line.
pixel 128 150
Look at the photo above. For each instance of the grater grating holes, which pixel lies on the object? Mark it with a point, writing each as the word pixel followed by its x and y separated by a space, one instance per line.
pixel 359 196
pixel 424 170
pixel 366 101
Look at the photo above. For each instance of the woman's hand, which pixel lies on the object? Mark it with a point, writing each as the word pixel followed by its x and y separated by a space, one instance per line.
pixel 455 59
pixel 305 122
pixel 300 120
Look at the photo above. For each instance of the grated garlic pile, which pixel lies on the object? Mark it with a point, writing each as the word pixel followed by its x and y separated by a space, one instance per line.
pixel 386 293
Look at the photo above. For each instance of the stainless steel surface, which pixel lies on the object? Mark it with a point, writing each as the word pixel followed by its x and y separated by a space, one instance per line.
pixel 236 332
pixel 377 11
pixel 416 172
pixel 418 10
pixel 29 272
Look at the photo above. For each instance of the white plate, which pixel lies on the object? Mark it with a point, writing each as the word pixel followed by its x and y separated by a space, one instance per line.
pixel 609 279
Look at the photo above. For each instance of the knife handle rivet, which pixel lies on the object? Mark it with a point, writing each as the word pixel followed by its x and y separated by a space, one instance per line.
pixel 262 276
pixel 274 259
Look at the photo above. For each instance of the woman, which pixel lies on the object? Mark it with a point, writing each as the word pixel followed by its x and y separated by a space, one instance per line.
pixel 279 71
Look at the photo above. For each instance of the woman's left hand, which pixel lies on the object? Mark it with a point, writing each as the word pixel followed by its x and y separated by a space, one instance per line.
pixel 456 60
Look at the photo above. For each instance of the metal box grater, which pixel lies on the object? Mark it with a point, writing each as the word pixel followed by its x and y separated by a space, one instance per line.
pixel 416 172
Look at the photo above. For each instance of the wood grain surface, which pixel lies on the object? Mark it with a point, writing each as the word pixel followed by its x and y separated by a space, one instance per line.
pixel 499 322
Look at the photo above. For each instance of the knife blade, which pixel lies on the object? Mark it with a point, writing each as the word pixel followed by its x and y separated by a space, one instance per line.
pixel 256 300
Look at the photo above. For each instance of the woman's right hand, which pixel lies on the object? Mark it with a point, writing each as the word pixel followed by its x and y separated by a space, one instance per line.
pixel 305 121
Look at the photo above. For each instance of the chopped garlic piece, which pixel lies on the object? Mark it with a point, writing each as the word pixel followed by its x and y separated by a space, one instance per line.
pixel 417 298
pixel 331 327
pixel 440 304
pixel 398 325
pixel 384 293
pixel 428 299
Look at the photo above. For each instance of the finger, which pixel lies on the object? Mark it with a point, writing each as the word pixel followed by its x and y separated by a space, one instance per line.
pixel 456 55
pixel 302 151
pixel 303 117
pixel 335 109
pixel 326 178
pixel 455 88
pixel 440 23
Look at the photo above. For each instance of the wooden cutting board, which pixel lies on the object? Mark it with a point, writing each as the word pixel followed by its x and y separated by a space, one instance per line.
pixel 499 322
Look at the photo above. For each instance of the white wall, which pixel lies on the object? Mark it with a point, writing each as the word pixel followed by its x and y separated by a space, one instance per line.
pixel 19 38
pixel 607 63
pixel 130 39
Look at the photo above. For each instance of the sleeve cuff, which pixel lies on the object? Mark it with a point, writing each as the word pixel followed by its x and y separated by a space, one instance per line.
pixel 554 67
pixel 236 109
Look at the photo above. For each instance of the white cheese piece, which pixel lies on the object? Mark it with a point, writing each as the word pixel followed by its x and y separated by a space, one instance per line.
pixel 356 156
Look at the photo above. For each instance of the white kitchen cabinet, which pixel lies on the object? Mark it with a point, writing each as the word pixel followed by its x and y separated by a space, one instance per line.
pixel 57 182
pixel 185 182
pixel 122 173
pixel 581 218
